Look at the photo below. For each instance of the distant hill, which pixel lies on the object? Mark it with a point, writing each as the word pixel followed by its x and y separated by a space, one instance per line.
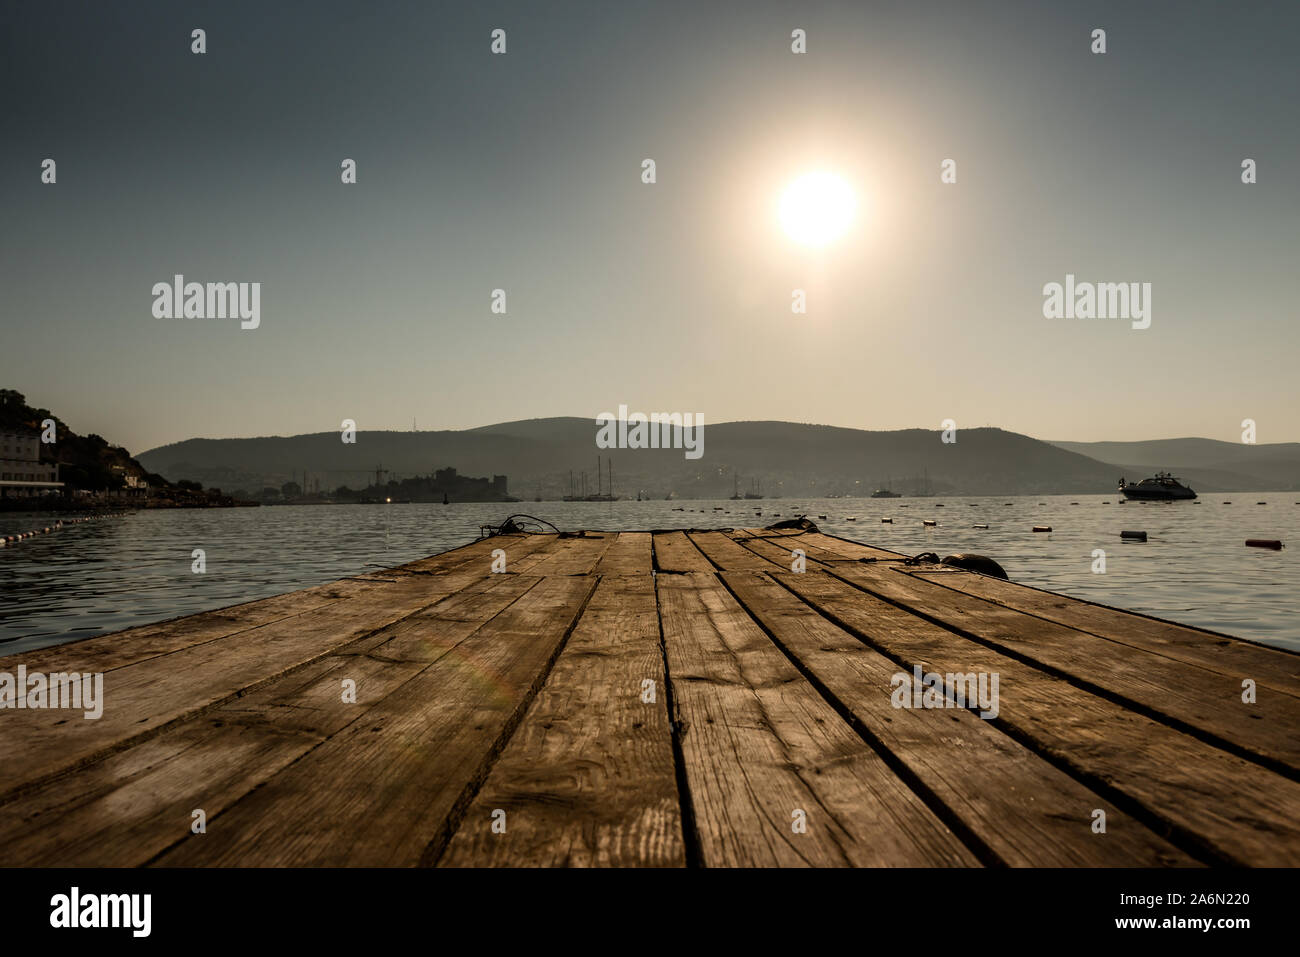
pixel 1207 464
pixel 787 459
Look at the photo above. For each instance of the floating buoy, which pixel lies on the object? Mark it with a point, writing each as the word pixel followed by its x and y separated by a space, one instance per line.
pixel 1006 503
pixel 981 526
pixel 1261 503
pixel 851 518
pixel 886 521
pixel 821 516
pixel 1227 503
pixel 1105 503
pixel 1136 536
pixel 929 522
pixel 1074 503
pixel 977 563
pixel 938 505
pixel 1042 528
pixel 1272 543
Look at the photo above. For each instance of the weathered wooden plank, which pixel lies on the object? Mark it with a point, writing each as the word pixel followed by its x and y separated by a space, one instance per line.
pixel 631 553
pixel 1184 695
pixel 385 790
pixel 142 698
pixel 844 548
pixel 1190 787
pixel 1024 810
pixel 473 551
pixel 760 746
pixel 778 551
pixel 574 555
pixel 588 778
pixel 129 806
pixel 108 652
pixel 1270 667
pixel 241 715
pixel 118 649
pixel 825 548
pixel 728 554
pixel 674 552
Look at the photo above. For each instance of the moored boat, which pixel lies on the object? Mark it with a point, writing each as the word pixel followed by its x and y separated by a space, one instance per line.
pixel 1162 487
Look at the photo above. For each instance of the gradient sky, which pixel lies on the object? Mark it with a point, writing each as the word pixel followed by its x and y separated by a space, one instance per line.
pixel 522 171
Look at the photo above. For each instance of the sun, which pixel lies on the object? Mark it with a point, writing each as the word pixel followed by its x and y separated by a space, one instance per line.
pixel 817 208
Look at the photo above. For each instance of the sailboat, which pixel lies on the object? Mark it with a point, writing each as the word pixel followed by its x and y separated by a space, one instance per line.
pixel 603 496
pixel 886 492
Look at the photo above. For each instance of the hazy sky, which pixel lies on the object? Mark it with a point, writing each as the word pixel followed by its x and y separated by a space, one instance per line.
pixel 523 172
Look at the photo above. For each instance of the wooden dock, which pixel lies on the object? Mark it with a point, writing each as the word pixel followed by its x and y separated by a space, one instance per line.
pixel 658 699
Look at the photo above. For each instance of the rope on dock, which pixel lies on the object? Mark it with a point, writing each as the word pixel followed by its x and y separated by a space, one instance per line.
pixel 531 525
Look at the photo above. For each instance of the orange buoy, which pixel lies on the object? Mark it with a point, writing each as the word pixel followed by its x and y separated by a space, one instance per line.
pixel 1042 528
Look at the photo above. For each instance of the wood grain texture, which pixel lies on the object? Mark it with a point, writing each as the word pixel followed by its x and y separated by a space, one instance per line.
pixel 676 553
pixel 523 692
pixel 1271 667
pixel 121 648
pixel 1228 808
pixel 1023 809
pixel 761 747
pixel 1208 701
pixel 730 555
pixel 132 804
pixel 386 789
pixel 588 779
pixel 631 553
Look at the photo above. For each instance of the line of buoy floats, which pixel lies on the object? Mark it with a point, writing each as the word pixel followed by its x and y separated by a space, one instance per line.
pixel 1131 535
pixel 45 530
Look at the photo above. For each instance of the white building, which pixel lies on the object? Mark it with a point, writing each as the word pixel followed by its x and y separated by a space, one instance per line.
pixel 22 473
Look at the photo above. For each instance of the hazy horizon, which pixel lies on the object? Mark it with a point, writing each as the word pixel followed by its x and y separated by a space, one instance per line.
pixel 522 172
pixel 485 425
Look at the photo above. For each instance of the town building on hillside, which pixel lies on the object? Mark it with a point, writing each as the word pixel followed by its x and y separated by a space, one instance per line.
pixel 22 473
pixel 133 485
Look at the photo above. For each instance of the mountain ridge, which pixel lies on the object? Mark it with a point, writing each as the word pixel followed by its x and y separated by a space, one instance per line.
pixel 785 458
